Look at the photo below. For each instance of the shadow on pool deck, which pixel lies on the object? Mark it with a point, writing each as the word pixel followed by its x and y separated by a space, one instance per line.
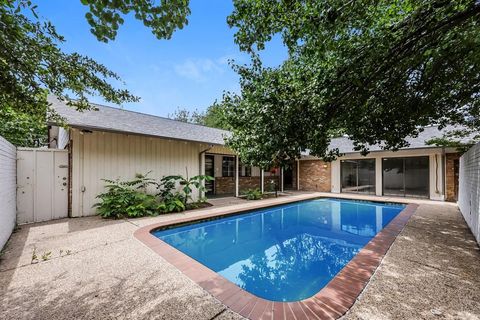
pixel 431 271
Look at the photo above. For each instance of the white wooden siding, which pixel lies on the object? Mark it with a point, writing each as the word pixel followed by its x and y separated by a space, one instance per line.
pixel 99 155
pixel 62 138
pixel 8 185
pixel 469 189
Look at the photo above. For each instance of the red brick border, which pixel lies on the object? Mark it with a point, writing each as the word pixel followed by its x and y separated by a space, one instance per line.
pixel 331 302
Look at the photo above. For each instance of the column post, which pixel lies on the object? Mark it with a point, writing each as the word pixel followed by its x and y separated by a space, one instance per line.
pixel 262 180
pixel 236 177
pixel 298 174
pixel 281 179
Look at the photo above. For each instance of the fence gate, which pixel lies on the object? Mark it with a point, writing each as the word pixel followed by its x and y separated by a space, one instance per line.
pixel 42 184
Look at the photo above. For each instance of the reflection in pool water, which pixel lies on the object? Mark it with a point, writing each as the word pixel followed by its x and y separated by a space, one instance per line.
pixel 284 253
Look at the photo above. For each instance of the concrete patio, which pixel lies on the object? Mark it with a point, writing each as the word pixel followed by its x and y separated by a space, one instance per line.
pixel 97 270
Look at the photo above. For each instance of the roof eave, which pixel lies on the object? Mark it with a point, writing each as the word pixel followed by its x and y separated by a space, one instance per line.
pixel 94 128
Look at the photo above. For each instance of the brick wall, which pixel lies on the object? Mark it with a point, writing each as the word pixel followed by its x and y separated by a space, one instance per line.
pixel 294 175
pixel 226 185
pixel 450 176
pixel 315 175
pixel 267 183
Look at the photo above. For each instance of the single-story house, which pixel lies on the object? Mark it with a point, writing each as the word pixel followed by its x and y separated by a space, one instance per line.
pixel 111 142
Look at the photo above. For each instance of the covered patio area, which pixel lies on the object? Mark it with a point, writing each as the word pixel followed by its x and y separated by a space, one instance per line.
pixel 233 178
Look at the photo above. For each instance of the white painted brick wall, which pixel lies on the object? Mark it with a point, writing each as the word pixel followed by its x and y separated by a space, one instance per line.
pixel 8 189
pixel 469 189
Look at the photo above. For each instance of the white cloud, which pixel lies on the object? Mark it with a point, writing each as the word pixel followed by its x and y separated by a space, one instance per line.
pixel 198 69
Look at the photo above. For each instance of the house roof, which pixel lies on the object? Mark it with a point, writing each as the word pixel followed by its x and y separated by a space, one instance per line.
pixel 125 121
pixel 345 145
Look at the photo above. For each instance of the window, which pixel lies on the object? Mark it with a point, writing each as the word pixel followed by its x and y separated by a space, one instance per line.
pixel 358 176
pixel 406 177
pixel 245 171
pixel 228 166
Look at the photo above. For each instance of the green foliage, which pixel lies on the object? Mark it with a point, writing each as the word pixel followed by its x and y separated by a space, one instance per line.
pixel 187 116
pixel 462 140
pixel 46 255
pixel 253 194
pixel 272 186
pixel 131 198
pixel 127 199
pixel 186 184
pixel 121 201
pixel 173 204
pixel 32 62
pixel 378 70
pixel 105 17
pixel 213 117
pixel 34 256
pixel 23 129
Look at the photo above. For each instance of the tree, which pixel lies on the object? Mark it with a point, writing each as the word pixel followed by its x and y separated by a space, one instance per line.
pixel 31 61
pixel 379 70
pixel 213 117
pixel 23 128
pixel 185 115
pixel 105 17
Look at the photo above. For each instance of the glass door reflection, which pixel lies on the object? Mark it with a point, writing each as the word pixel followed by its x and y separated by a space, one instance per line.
pixel 358 176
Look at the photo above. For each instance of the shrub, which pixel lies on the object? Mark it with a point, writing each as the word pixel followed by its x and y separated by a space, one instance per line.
pixel 172 205
pixel 130 198
pixel 187 184
pixel 272 186
pixel 253 194
pixel 127 198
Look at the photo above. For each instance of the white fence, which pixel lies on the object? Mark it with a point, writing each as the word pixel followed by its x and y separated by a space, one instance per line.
pixel 42 184
pixel 469 189
pixel 8 184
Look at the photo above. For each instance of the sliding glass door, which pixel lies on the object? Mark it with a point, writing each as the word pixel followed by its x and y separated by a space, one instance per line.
pixel 358 176
pixel 406 177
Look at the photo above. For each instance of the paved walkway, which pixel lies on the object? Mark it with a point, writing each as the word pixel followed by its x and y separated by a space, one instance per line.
pixel 96 269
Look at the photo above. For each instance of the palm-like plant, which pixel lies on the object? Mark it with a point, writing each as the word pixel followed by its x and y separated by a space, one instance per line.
pixel 187 184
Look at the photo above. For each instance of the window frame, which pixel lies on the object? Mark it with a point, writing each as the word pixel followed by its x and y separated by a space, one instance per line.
pixel 228 166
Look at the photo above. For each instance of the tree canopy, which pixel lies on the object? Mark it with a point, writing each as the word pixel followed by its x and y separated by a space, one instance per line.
pixel 213 117
pixel 375 70
pixel 24 127
pixel 32 61
pixel 105 17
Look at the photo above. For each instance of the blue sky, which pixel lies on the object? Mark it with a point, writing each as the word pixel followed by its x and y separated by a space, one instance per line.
pixel 188 71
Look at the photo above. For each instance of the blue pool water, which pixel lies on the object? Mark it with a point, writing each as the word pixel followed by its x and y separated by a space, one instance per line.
pixel 287 252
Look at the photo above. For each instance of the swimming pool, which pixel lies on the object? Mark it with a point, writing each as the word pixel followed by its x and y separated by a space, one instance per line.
pixel 287 252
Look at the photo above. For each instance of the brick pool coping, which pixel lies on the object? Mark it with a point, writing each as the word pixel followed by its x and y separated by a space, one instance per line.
pixel 331 302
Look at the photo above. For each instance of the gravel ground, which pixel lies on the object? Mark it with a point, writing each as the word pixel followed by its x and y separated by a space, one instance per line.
pixel 96 269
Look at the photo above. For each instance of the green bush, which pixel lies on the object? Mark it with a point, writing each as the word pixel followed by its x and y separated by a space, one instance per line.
pixel 170 199
pixel 187 184
pixel 130 198
pixel 253 194
pixel 171 205
pixel 123 199
pixel 272 186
